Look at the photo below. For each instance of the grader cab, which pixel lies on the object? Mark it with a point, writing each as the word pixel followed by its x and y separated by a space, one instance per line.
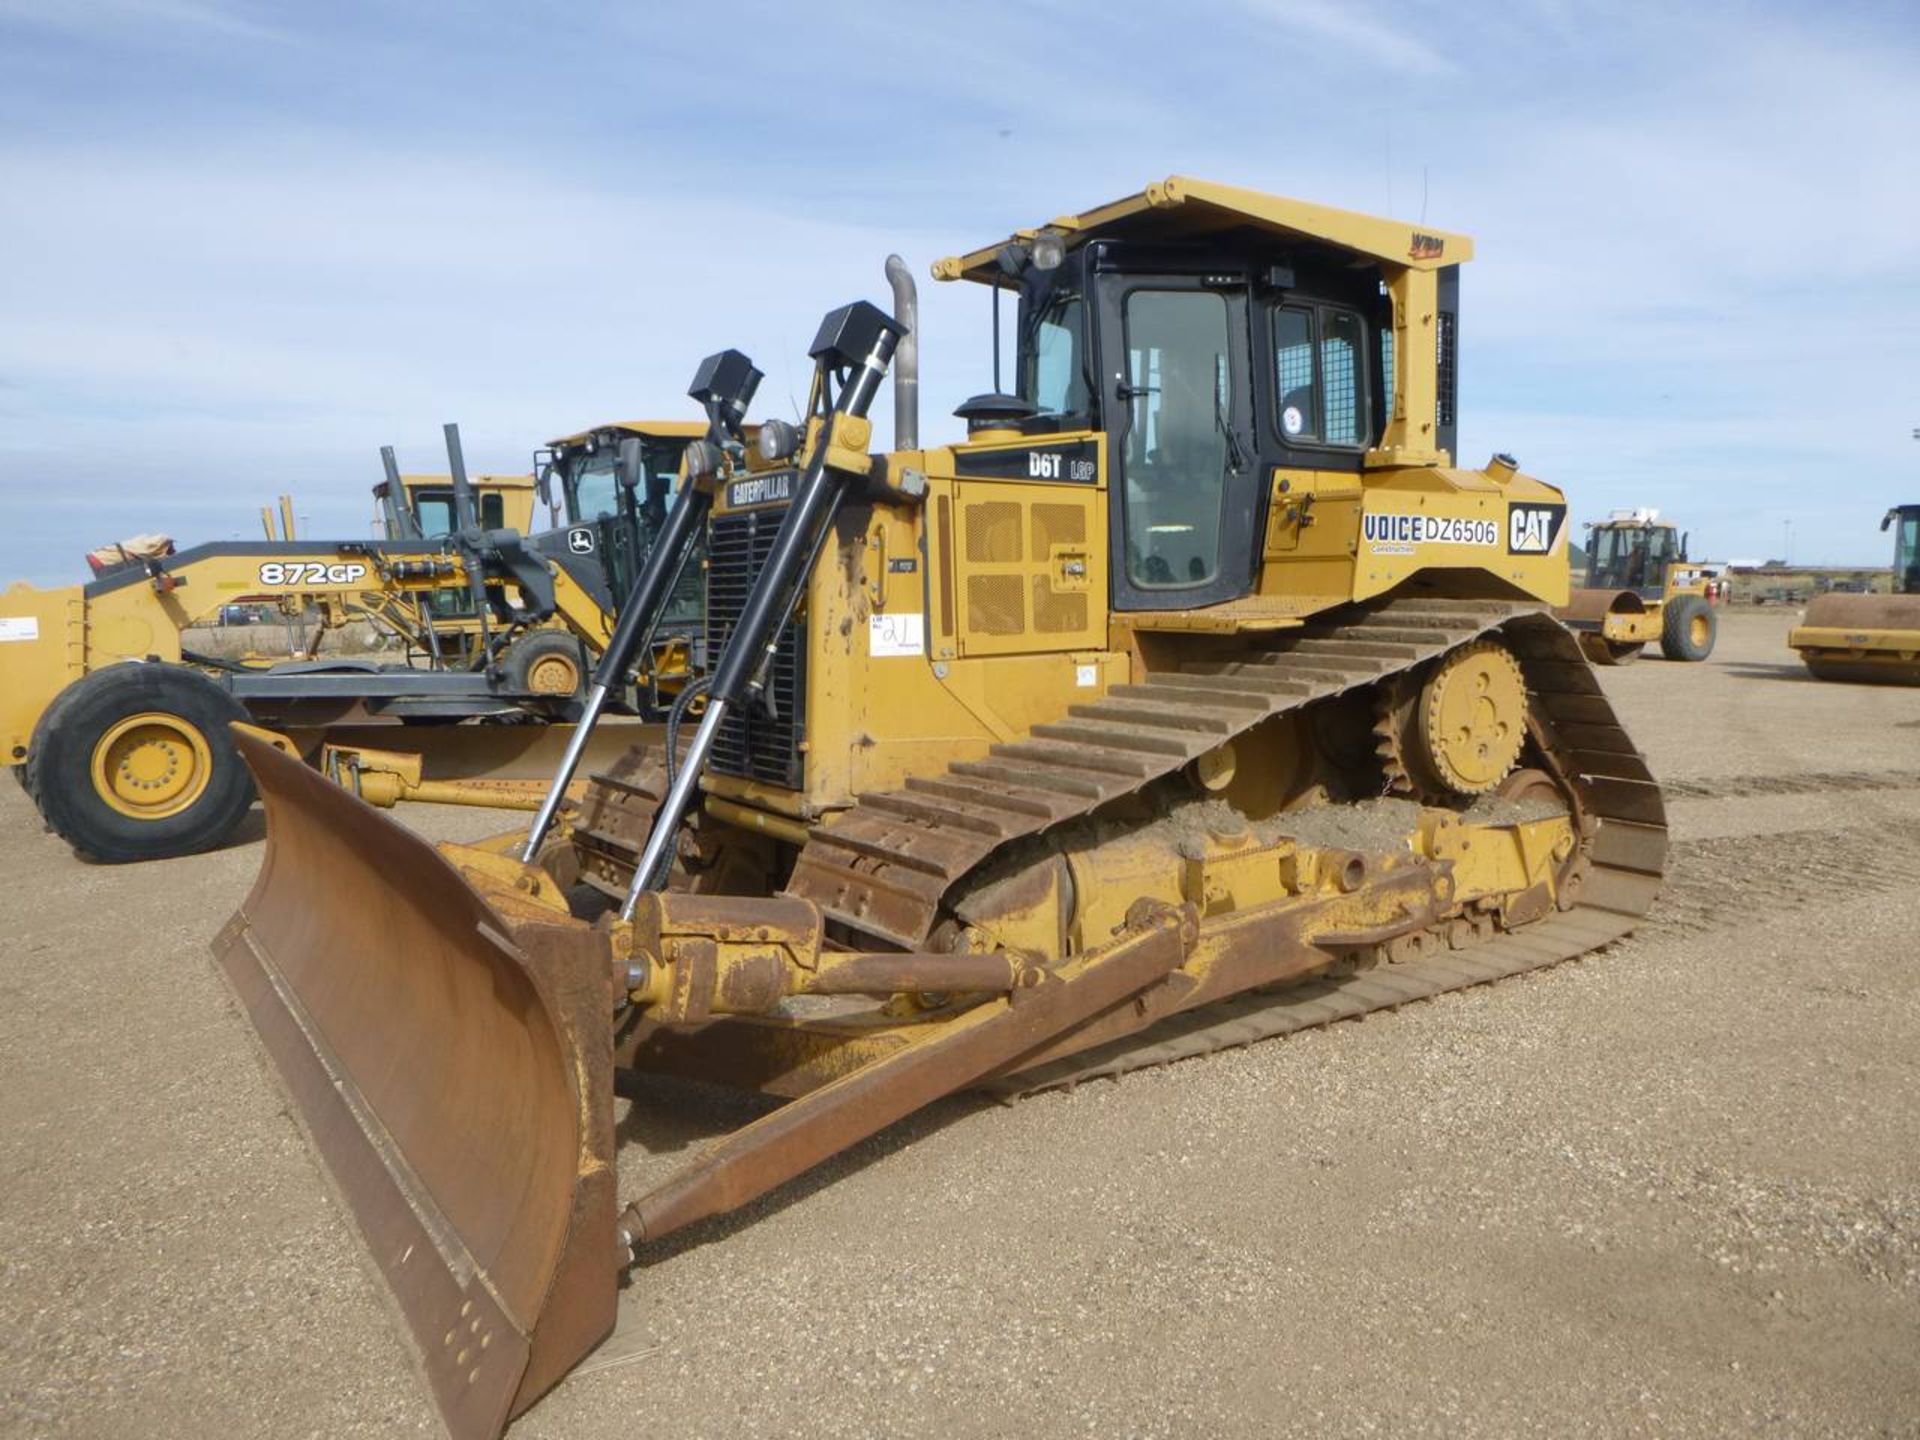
pixel 1195 695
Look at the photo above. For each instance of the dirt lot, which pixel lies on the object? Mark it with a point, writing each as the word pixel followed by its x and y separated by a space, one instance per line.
pixel 1673 1189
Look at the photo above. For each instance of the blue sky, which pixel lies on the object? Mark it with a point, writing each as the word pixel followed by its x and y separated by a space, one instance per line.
pixel 247 244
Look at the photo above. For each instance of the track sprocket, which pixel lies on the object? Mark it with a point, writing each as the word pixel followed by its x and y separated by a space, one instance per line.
pixel 1455 729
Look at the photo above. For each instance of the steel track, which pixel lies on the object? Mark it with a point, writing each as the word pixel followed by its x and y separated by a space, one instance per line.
pixel 882 870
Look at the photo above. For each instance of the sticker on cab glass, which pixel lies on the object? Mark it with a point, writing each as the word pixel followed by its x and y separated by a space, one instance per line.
pixel 1388 534
pixel 1534 529
pixel 896 635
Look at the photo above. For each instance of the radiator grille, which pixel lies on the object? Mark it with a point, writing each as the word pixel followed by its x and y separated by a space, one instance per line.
pixel 752 745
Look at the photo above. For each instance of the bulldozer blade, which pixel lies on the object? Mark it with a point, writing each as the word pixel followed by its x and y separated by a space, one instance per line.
pixel 454 1072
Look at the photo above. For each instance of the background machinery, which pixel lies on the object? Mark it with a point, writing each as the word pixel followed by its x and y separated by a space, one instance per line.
pixel 117 726
pixel 1874 638
pixel 1639 588
pixel 1196 696
pixel 606 489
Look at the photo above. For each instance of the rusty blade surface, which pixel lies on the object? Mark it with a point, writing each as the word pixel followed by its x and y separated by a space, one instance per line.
pixel 455 1078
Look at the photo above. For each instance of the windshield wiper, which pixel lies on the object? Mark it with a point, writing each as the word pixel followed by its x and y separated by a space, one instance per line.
pixel 1236 455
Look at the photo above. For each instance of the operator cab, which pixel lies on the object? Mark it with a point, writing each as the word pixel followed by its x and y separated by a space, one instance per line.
pixel 1904 521
pixel 1633 550
pixel 1214 337
pixel 614 484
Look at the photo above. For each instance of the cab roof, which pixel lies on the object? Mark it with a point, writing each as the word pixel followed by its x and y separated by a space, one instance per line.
pixel 1181 207
pixel 646 429
pixel 491 482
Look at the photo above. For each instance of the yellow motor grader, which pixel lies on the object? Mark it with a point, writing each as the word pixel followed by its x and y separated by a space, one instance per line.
pixel 114 723
pixel 1640 589
pixel 1871 638
pixel 1195 695
pixel 605 490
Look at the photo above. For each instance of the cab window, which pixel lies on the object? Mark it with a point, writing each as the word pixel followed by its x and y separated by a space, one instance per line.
pixel 1319 378
pixel 1180 389
pixel 1053 367
pixel 595 490
pixel 434 510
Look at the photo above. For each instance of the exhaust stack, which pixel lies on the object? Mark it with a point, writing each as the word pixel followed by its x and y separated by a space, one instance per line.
pixel 906 359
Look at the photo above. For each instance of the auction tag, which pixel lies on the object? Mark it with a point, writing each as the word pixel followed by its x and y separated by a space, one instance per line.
pixel 896 635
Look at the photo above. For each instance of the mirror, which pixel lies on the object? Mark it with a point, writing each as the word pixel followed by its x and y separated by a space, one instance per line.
pixel 627 462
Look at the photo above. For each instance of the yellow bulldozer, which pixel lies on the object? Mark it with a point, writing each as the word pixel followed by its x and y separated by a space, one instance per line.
pixel 1196 695
pixel 1871 638
pixel 1640 589
pixel 116 725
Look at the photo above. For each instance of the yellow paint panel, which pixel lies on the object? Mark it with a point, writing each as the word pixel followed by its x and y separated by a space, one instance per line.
pixel 1028 567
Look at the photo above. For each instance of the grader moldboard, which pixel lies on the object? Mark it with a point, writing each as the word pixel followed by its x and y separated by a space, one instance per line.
pixel 1195 697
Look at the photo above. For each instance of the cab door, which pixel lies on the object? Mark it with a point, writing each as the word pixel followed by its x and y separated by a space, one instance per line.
pixel 1182 481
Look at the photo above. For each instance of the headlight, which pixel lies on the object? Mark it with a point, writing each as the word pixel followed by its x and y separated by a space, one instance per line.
pixel 777 440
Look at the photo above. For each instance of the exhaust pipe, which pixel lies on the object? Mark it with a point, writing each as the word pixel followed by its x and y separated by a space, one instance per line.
pixel 906 359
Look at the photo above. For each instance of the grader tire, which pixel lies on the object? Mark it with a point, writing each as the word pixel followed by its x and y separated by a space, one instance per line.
pixel 1688 629
pixel 546 663
pixel 134 762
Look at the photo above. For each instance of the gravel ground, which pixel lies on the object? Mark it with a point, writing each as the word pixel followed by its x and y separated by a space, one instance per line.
pixel 1673 1189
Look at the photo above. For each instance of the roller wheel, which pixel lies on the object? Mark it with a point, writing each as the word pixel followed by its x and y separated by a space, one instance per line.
pixel 547 663
pixel 1601 651
pixel 1688 629
pixel 134 762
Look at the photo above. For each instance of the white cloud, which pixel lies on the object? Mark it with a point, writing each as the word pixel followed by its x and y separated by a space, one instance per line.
pixel 1354 33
